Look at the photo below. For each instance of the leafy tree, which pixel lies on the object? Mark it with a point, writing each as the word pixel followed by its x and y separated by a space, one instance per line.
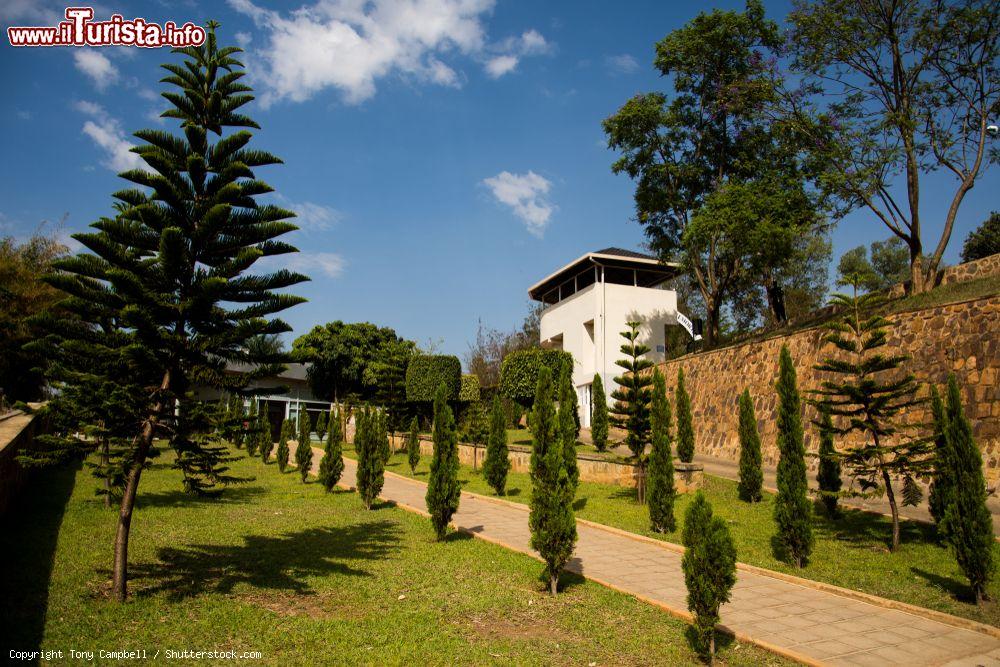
pixel 661 491
pixel 869 391
pixel 413 445
pixel 371 468
pixel 569 427
pixel 942 488
pixel 331 466
pixel 388 373
pixel 906 89
pixel 969 524
pixel 443 489
pixel 485 357
pixel 983 241
pixel 427 372
pixel 287 433
pixel 303 446
pixel 321 425
pixel 889 266
pixel 685 421
pixel 599 414
pixel 751 481
pixel 553 526
pixel 631 408
pixel 519 372
pixel 264 443
pixel 709 566
pixel 792 511
pixel 171 269
pixel 828 475
pixel 497 463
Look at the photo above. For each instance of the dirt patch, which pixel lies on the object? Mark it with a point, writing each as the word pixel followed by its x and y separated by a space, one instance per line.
pixel 313 605
pixel 533 622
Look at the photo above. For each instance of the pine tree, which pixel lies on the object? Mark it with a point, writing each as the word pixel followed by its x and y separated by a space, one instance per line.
pixel 172 267
pixel 685 421
pixel 250 434
pixel 828 475
pixel 413 445
pixel 942 491
pixel 870 393
pixel 287 433
pixel 264 443
pixel 303 446
pixel 792 511
pixel 331 466
pixel 371 469
pixel 599 414
pixel 553 526
pixel 968 522
pixel 569 428
pixel 497 463
pixel 443 489
pixel 661 492
pixel 631 408
pixel 709 565
pixel 321 425
pixel 751 482
pixel 382 436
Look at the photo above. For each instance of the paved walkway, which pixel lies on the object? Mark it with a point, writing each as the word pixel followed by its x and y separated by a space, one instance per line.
pixel 813 626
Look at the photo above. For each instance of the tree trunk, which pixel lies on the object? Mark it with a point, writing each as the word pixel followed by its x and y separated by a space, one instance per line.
pixel 917 283
pixel 711 648
pixel 891 495
pixel 553 583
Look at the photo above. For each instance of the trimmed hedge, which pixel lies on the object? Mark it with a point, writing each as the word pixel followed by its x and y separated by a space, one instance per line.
pixel 468 392
pixel 426 372
pixel 519 372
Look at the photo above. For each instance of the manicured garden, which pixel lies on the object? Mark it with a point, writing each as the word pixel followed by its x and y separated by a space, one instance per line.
pixel 302 576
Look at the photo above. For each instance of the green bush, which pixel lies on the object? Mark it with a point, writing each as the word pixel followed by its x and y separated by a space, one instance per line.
pixel 519 372
pixel 468 391
pixel 443 489
pixel 426 372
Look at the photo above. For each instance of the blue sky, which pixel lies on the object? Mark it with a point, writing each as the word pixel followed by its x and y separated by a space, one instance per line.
pixel 442 160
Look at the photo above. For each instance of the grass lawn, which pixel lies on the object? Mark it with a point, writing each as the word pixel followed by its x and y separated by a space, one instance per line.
pixel 850 551
pixel 303 577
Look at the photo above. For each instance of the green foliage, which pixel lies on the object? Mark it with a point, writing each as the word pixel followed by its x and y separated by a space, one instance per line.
pixel 889 265
pixel 250 438
pixel 443 489
pixel 426 373
pixel 870 392
pixel 331 466
pixel 468 391
pixel 475 426
pixel 287 433
pixel 497 463
pixel 388 372
pixel 303 448
pixel 552 523
pixel 264 443
pixel 569 428
pixel 519 372
pixel 968 522
pixel 321 425
pixel 751 482
pixel 599 414
pixel 631 407
pixel 413 445
pixel 709 565
pixel 984 240
pixel 685 421
pixel 661 492
pixel 792 510
pixel 371 466
pixel 942 489
pixel 828 475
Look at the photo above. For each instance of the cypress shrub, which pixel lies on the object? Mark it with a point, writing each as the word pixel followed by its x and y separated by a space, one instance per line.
pixel 828 475
pixel 443 490
pixel 969 525
pixel 942 490
pixel 264 443
pixel 331 466
pixel 287 432
pixel 553 526
pixel 569 428
pixel 631 408
pixel 497 463
pixel 321 425
pixel 303 448
pixel 661 492
pixel 599 414
pixel 709 566
pixel 792 511
pixel 382 436
pixel 685 421
pixel 371 469
pixel 250 435
pixel 413 445
pixel 751 472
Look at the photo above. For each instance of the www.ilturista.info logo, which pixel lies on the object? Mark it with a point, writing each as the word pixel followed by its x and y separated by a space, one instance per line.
pixel 79 30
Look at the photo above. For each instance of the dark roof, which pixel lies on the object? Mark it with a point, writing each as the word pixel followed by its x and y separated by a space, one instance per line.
pixel 621 252
pixel 291 372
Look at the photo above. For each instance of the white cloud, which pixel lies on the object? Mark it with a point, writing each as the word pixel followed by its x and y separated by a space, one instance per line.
pixel 526 195
pixel 148 94
pixel 243 38
pixel 97 66
pixel 512 49
pixel 329 264
pixel 107 133
pixel 23 114
pixel 497 67
pixel 621 64
pixel 310 216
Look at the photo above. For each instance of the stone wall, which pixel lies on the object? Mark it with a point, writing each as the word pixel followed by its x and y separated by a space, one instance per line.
pixel 17 433
pixel 963 338
pixel 960 273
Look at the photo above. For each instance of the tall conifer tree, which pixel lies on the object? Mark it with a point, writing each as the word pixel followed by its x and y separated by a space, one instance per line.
pixel 599 414
pixel 250 438
pixel 792 511
pixel 631 408
pixel 942 490
pixel 661 492
pixel 265 445
pixel 303 447
pixel 371 469
pixel 569 428
pixel 321 425
pixel 287 433
pixel 497 463
pixel 413 445
pixel 331 466
pixel 685 421
pixel 443 489
pixel 828 475
pixel 751 482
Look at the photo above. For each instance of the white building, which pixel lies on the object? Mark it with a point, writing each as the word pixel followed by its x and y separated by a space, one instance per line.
pixel 587 303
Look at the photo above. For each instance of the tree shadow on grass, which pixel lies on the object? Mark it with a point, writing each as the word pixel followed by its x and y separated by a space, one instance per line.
pixel 580 503
pixel 863 530
pixel 958 589
pixel 178 497
pixel 266 562
pixel 29 532
pixel 625 493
